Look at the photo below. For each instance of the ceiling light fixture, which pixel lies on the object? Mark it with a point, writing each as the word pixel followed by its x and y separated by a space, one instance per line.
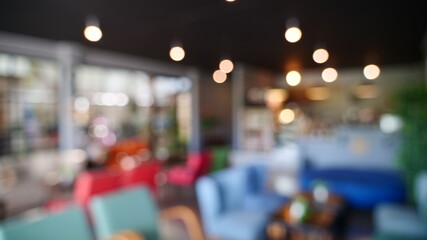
pixel 92 30
pixel 219 76
pixel 226 66
pixel 293 33
pixel 320 55
pixel 177 52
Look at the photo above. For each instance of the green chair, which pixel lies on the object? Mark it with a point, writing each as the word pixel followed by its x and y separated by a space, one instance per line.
pixel 68 225
pixel 220 157
pixel 394 222
pixel 133 209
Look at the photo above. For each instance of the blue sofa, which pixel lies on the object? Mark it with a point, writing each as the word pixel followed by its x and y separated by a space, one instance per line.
pixel 357 162
pixel 235 204
pixel 362 189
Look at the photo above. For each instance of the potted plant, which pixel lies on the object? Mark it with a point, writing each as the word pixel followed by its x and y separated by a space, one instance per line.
pixel 411 106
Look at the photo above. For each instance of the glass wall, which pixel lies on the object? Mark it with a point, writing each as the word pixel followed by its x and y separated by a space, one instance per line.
pixel 28 104
pixel 112 105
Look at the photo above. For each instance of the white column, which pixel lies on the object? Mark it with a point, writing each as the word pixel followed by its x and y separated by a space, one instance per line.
pixel 238 98
pixel 67 56
pixel 195 138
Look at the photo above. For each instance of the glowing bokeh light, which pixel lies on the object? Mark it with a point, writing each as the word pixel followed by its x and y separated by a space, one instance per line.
pixel 108 99
pixel 121 99
pixel 371 71
pixel 81 104
pixel 177 53
pixel 390 123
pixel 366 91
pixel 226 66
pixel 320 55
pixel 293 34
pixel 219 76
pixel 286 116
pixel 100 130
pixel 93 33
pixel 317 93
pixel 293 78
pixel 275 97
pixel 329 75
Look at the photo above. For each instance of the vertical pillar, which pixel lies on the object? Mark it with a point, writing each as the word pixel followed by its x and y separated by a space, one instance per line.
pixel 67 56
pixel 195 143
pixel 238 97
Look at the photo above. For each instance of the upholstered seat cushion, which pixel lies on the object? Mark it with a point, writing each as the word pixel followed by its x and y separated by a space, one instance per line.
pixel 395 221
pixel 241 225
pixel 267 202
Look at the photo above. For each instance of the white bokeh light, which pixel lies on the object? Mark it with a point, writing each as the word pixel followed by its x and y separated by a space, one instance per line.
pixel 371 71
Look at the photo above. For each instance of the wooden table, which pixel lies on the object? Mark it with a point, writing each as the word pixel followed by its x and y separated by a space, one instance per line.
pixel 325 221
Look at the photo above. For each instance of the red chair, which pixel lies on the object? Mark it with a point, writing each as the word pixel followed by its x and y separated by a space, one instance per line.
pixel 88 184
pixel 197 165
pixel 145 174
pixel 91 183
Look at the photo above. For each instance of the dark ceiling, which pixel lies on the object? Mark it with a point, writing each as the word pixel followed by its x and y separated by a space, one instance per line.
pixel 250 31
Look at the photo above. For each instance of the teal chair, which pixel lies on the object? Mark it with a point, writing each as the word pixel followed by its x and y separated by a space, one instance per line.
pixel 68 225
pixel 133 209
pixel 394 222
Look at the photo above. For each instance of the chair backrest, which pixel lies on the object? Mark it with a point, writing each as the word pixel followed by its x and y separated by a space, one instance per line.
pixel 257 178
pixel 220 156
pixel 209 201
pixel 70 224
pixel 232 184
pixel 92 183
pixel 199 161
pixel 143 174
pixel 421 195
pixel 127 209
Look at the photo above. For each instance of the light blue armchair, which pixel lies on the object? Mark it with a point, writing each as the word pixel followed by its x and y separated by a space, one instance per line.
pixel 235 204
pixel 68 225
pixel 394 222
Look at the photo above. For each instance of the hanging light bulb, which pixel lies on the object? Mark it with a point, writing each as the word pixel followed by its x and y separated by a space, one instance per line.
pixel 293 34
pixel 219 76
pixel 92 31
pixel 320 55
pixel 226 66
pixel 177 52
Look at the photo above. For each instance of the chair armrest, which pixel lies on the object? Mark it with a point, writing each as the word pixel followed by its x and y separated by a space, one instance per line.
pixel 126 235
pixel 189 219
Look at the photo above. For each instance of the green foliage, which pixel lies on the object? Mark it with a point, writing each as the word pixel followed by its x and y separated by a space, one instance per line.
pixel 411 106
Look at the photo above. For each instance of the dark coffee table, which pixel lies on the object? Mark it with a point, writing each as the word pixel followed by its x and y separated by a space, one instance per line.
pixel 325 221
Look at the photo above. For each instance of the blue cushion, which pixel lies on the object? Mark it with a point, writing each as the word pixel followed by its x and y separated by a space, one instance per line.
pixel 266 202
pixel 232 184
pixel 241 225
pixel 399 221
pixel 363 189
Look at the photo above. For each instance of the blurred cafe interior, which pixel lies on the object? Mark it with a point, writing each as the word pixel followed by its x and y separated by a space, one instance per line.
pixel 213 120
